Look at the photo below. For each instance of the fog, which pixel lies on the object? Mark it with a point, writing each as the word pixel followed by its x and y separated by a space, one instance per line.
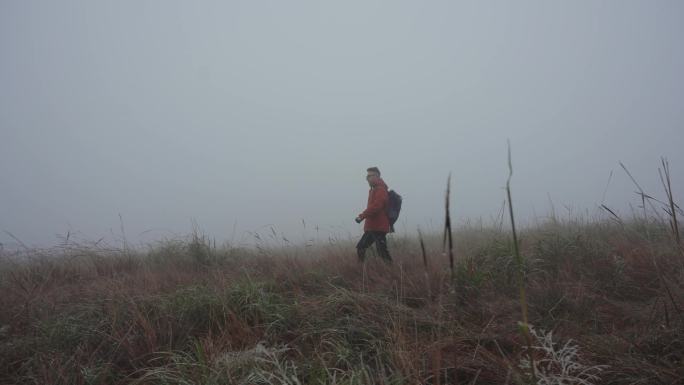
pixel 247 115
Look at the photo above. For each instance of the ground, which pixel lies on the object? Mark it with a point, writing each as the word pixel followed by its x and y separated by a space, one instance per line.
pixel 604 299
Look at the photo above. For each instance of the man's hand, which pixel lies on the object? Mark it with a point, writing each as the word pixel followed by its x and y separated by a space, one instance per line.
pixel 358 219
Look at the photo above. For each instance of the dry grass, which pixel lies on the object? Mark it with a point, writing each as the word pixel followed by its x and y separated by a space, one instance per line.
pixel 187 312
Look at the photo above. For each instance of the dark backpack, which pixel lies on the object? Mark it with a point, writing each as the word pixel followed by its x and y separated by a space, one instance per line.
pixel 393 208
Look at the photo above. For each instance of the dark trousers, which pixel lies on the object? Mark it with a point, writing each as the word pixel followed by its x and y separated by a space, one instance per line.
pixel 380 244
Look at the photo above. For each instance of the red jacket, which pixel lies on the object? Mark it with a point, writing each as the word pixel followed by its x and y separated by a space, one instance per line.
pixel 376 212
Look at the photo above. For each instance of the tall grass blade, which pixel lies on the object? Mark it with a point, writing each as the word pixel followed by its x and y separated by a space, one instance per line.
pixel 615 216
pixel 425 263
pixel 665 179
pixel 447 229
pixel 520 266
pixel 422 249
pixel 644 197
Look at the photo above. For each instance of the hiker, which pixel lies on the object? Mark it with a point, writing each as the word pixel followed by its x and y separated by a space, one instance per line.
pixel 377 223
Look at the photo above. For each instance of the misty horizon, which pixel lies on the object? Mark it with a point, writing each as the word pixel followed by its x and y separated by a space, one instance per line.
pixel 244 116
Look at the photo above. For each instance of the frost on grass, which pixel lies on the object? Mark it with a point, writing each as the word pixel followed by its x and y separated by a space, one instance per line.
pixel 267 366
pixel 260 365
pixel 559 365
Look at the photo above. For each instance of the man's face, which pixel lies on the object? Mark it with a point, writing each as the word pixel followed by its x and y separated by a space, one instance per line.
pixel 372 177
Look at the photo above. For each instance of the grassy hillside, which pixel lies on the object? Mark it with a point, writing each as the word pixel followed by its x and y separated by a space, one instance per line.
pixel 605 305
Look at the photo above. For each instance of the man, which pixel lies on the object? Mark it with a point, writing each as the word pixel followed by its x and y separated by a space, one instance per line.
pixel 377 224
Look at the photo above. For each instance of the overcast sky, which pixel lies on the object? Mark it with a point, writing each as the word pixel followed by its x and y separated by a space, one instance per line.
pixel 243 114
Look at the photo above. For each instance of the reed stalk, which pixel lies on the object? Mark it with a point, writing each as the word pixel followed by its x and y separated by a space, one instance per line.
pixel 447 229
pixel 520 269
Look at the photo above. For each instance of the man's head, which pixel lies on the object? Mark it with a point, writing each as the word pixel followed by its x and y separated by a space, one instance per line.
pixel 373 174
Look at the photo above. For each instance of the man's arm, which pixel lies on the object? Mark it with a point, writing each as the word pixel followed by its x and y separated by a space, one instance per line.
pixel 376 204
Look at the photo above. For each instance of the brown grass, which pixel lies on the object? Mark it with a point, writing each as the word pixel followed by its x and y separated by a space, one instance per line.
pixel 188 313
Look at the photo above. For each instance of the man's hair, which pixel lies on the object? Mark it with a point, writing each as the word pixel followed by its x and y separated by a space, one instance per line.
pixel 373 169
